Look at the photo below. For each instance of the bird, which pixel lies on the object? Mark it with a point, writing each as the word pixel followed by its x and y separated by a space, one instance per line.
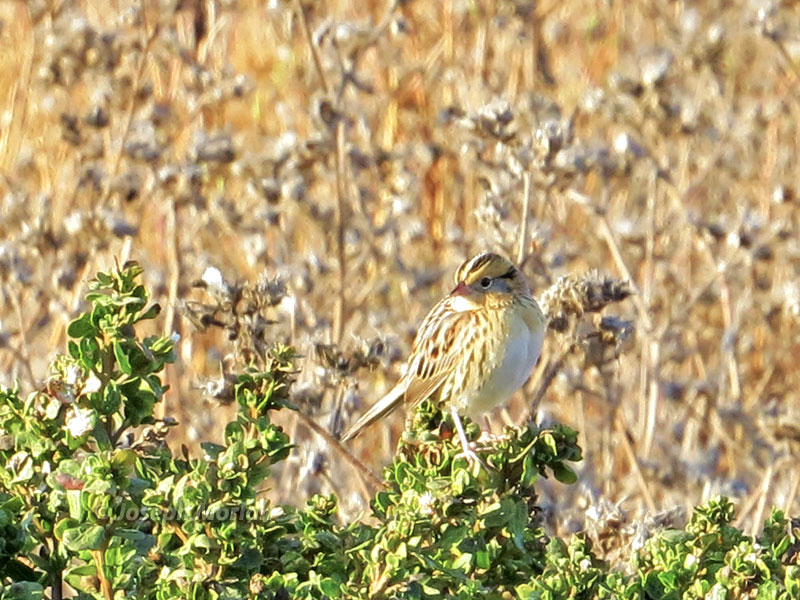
pixel 474 349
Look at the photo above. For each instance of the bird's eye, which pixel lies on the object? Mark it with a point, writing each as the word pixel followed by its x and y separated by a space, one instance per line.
pixel 486 282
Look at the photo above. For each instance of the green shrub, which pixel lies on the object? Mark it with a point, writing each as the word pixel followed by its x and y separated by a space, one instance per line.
pixel 92 499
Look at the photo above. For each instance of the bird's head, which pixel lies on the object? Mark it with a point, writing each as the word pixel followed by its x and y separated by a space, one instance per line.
pixel 488 278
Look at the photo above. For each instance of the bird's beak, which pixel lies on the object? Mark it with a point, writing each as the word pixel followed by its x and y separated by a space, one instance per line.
pixel 462 289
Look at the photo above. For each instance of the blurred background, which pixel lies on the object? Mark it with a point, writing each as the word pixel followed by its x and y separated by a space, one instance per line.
pixel 313 173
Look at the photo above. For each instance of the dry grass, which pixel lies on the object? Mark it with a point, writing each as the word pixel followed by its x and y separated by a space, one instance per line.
pixel 343 175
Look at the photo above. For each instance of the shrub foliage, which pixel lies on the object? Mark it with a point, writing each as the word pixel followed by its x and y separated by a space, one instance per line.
pixel 94 504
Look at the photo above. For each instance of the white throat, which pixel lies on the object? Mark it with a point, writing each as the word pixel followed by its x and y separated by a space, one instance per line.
pixel 461 303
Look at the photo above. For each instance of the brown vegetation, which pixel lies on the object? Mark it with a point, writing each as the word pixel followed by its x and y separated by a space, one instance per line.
pixel 336 167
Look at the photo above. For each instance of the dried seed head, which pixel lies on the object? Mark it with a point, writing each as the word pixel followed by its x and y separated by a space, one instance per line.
pixel 655 67
pixel 217 149
pixel 579 294
pixel 218 389
pixel 495 120
pixel 271 290
pixel 607 342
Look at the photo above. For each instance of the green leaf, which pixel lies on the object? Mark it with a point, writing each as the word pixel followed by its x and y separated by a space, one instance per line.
pixel 212 450
pixel 249 560
pixel 18 572
pixel 101 437
pixel 123 458
pixel 668 580
pixel 110 401
pixel 792 581
pixel 202 541
pixel 122 358
pixel 74 504
pixel 550 441
pixel 653 587
pixel 141 542
pixel 81 327
pixel 564 474
pixel 81 576
pixel 24 590
pixel 150 313
pixel 23 468
pixel 64 525
pixel 84 537
pixel 530 471
pixel 518 522
pixel 330 588
pixel 103 280
pixel 88 351
pixel 482 559
pixel 138 403
pixel 498 514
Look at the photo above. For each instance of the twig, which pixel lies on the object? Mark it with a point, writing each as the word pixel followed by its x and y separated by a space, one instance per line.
pixel 624 434
pixel 611 242
pixel 746 508
pixel 368 475
pixel 787 507
pixel 23 338
pixel 729 352
pixel 174 270
pixel 547 379
pixel 651 414
pixel 647 291
pixel 126 128
pixel 57 585
pixel 173 262
pixel 699 292
pixel 56 575
pixel 766 483
pixel 651 236
pixel 616 255
pixel 786 56
pixel 649 385
pixel 338 315
pixel 19 100
pixel 60 328
pixel 758 499
pixel 649 378
pixel 100 562
pixel 310 40
pixel 16 354
pixel 526 208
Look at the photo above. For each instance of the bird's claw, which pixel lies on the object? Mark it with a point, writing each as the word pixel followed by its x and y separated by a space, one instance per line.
pixel 472 457
pixel 487 439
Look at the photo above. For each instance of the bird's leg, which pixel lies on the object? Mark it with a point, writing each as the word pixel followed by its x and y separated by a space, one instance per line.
pixel 487 424
pixel 468 453
pixel 486 439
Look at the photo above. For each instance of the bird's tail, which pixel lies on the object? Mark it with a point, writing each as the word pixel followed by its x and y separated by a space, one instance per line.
pixel 380 409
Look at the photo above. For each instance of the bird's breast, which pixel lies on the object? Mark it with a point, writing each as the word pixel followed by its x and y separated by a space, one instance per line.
pixel 509 364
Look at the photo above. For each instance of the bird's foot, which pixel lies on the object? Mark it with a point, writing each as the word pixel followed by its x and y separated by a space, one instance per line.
pixel 487 439
pixel 467 447
pixel 472 458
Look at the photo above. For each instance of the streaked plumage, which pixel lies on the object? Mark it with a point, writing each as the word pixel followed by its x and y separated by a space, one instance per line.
pixel 475 347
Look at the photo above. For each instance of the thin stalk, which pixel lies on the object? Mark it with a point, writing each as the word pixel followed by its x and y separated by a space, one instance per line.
pixel 526 209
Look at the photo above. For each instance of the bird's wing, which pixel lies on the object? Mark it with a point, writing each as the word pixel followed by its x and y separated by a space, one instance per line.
pixel 442 340
pixel 443 337
pixel 381 408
